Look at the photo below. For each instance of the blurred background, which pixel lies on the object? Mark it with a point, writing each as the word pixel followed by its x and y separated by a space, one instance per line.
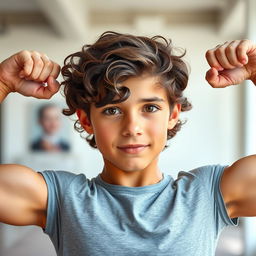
pixel 219 129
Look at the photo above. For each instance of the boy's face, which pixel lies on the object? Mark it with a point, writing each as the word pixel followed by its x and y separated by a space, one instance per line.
pixel 131 134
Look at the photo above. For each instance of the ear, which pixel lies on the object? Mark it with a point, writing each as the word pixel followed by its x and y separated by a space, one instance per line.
pixel 174 116
pixel 84 121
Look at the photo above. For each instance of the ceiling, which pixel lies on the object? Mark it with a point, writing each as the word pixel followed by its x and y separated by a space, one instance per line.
pixel 121 5
pixel 67 15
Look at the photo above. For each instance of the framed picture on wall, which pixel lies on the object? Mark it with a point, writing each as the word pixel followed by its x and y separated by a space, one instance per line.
pixel 48 129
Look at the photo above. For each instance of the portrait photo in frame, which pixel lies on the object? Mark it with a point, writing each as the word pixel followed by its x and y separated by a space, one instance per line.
pixel 48 130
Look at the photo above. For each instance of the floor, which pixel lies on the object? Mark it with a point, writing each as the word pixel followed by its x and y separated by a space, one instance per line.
pixel 35 242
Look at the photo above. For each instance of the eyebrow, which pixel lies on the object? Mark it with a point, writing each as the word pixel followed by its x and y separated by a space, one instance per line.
pixel 151 99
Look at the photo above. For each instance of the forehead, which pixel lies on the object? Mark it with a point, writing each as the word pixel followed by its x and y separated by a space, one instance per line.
pixel 145 85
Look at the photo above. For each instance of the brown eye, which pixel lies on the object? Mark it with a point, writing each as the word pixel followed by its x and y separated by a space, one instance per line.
pixel 111 111
pixel 151 108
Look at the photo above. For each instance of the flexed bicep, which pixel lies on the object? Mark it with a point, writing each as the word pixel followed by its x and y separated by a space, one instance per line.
pixel 238 186
pixel 23 196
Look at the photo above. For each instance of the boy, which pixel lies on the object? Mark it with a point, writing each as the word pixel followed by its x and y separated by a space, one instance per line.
pixel 127 94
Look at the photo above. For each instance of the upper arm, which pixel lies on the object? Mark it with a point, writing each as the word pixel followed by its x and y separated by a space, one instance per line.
pixel 23 196
pixel 238 187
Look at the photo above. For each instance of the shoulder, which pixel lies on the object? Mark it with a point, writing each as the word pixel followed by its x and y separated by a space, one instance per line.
pixel 207 173
pixel 61 181
pixel 205 183
pixel 205 180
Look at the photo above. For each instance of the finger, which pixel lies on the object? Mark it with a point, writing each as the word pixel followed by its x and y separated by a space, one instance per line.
pixel 216 79
pixel 37 67
pixel 212 77
pixel 243 49
pixel 220 54
pixel 46 92
pixel 55 71
pixel 24 60
pixel 212 60
pixel 231 54
pixel 47 68
pixel 52 87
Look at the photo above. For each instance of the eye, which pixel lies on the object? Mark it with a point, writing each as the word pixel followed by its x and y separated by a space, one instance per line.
pixel 151 108
pixel 111 111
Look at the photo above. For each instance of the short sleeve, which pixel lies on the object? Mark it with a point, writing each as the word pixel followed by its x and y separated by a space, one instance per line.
pixel 57 184
pixel 210 176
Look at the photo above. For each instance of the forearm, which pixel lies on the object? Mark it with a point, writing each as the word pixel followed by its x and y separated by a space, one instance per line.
pixel 4 91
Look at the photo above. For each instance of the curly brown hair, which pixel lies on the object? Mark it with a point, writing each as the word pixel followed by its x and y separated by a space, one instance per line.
pixel 91 75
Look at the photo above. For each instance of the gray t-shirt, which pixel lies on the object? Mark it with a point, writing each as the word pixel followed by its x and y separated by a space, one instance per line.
pixel 173 217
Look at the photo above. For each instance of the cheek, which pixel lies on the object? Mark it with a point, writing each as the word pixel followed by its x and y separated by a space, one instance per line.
pixel 159 128
pixel 157 131
pixel 103 136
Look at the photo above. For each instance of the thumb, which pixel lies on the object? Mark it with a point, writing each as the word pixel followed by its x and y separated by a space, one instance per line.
pixel 212 76
pixel 52 87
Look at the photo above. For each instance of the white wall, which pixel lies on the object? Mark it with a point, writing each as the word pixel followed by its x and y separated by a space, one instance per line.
pixel 211 135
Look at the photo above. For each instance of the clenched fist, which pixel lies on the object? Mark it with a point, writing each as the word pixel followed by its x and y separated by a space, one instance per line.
pixel 231 63
pixel 29 73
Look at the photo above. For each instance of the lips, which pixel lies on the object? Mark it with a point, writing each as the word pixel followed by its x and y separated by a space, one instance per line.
pixel 133 148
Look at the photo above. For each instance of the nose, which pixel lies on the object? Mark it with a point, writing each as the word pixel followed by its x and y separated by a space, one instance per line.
pixel 132 125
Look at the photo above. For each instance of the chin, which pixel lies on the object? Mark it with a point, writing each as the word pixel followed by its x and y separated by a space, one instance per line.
pixel 127 165
pixel 132 168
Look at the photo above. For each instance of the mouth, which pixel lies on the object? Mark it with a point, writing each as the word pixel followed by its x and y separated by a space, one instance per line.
pixel 133 148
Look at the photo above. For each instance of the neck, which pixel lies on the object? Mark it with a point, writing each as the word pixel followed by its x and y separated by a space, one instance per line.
pixel 148 176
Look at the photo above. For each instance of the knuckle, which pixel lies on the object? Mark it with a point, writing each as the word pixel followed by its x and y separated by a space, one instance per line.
pixel 45 56
pixel 57 66
pixel 235 42
pixel 230 48
pixel 219 50
pixel 24 52
pixel 35 54
pixel 208 53
pixel 39 63
pixel 240 47
pixel 48 64
pixel 245 40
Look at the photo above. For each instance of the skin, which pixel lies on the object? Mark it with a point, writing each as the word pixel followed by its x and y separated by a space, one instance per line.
pixel 23 192
pixel 133 121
